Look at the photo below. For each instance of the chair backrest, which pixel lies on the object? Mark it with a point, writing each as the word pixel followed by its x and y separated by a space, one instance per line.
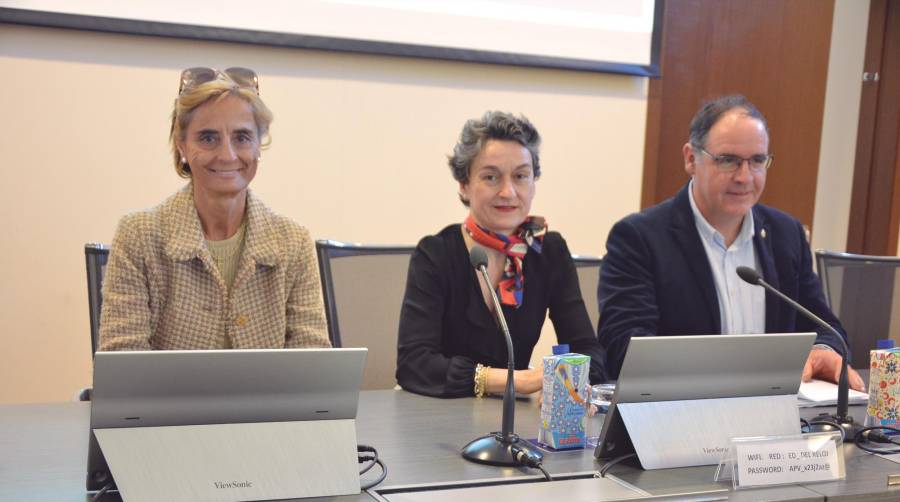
pixel 588 269
pixel 363 288
pixel 861 292
pixel 95 256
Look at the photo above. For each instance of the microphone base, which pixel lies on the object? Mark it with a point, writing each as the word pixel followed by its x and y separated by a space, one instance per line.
pixel 492 449
pixel 849 426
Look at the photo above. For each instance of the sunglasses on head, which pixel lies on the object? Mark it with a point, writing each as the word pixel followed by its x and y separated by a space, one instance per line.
pixel 243 77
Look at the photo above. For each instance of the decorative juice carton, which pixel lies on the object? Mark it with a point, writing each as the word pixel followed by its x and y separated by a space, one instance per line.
pixel 565 396
pixel 884 388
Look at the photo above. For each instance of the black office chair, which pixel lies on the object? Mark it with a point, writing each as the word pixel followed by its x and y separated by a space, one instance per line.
pixel 861 292
pixel 95 257
pixel 588 269
pixel 363 288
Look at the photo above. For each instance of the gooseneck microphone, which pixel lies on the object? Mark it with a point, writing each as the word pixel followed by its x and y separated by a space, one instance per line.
pixel 479 260
pixel 504 447
pixel 842 416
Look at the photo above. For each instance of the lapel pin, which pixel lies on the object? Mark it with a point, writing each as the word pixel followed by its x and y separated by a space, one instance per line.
pixel 762 233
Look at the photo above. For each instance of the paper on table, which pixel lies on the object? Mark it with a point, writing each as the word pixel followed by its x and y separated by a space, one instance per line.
pixel 821 393
pixel 893 457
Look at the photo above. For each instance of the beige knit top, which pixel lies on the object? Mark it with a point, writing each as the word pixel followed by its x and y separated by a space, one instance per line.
pixel 226 254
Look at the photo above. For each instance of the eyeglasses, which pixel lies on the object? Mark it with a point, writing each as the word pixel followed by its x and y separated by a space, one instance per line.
pixel 729 163
pixel 243 77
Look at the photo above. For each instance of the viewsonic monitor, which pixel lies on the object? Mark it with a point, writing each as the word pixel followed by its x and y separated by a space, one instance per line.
pixel 194 387
pixel 678 368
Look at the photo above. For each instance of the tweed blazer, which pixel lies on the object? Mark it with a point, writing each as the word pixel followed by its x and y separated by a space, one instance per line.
pixel 162 290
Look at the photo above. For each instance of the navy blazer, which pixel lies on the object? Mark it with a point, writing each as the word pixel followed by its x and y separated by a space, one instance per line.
pixel 656 278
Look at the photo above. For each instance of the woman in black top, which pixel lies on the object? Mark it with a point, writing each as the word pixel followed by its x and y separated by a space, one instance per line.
pixel 449 343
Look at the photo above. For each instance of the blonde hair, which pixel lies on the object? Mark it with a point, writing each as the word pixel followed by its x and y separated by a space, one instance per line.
pixel 193 97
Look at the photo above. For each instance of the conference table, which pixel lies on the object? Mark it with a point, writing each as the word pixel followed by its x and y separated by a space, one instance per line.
pixel 43 450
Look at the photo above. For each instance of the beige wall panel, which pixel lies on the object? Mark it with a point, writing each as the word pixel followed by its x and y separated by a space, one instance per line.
pixel 358 154
pixel 839 124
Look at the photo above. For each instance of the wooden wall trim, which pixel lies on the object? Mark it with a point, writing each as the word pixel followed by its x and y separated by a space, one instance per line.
pixel 865 138
pixel 775 52
pixel 894 225
pixel 875 203
pixel 654 112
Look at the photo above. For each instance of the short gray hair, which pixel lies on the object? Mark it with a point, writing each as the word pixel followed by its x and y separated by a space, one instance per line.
pixel 713 110
pixel 497 126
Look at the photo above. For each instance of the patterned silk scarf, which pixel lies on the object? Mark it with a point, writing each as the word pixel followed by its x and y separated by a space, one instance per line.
pixel 530 234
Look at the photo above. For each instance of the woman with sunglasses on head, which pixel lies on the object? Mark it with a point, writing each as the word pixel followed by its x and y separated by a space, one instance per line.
pixel 212 267
pixel 449 342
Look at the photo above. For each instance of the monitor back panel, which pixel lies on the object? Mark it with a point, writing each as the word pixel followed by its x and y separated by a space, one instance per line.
pixel 159 388
pixel 674 368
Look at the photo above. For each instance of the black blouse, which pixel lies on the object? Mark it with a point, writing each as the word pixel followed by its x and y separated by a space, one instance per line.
pixel 446 327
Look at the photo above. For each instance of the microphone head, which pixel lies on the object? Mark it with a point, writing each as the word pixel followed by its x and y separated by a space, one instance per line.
pixel 478 257
pixel 748 275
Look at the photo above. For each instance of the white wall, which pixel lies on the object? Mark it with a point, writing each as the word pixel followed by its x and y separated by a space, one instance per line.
pixel 358 154
pixel 837 155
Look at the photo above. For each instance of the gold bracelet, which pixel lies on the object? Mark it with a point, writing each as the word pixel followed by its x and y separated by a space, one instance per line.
pixel 481 372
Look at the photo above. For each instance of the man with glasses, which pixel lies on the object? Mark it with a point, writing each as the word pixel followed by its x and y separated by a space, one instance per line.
pixel 671 269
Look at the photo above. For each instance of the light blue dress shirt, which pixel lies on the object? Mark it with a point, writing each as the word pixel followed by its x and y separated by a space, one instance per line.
pixel 742 306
